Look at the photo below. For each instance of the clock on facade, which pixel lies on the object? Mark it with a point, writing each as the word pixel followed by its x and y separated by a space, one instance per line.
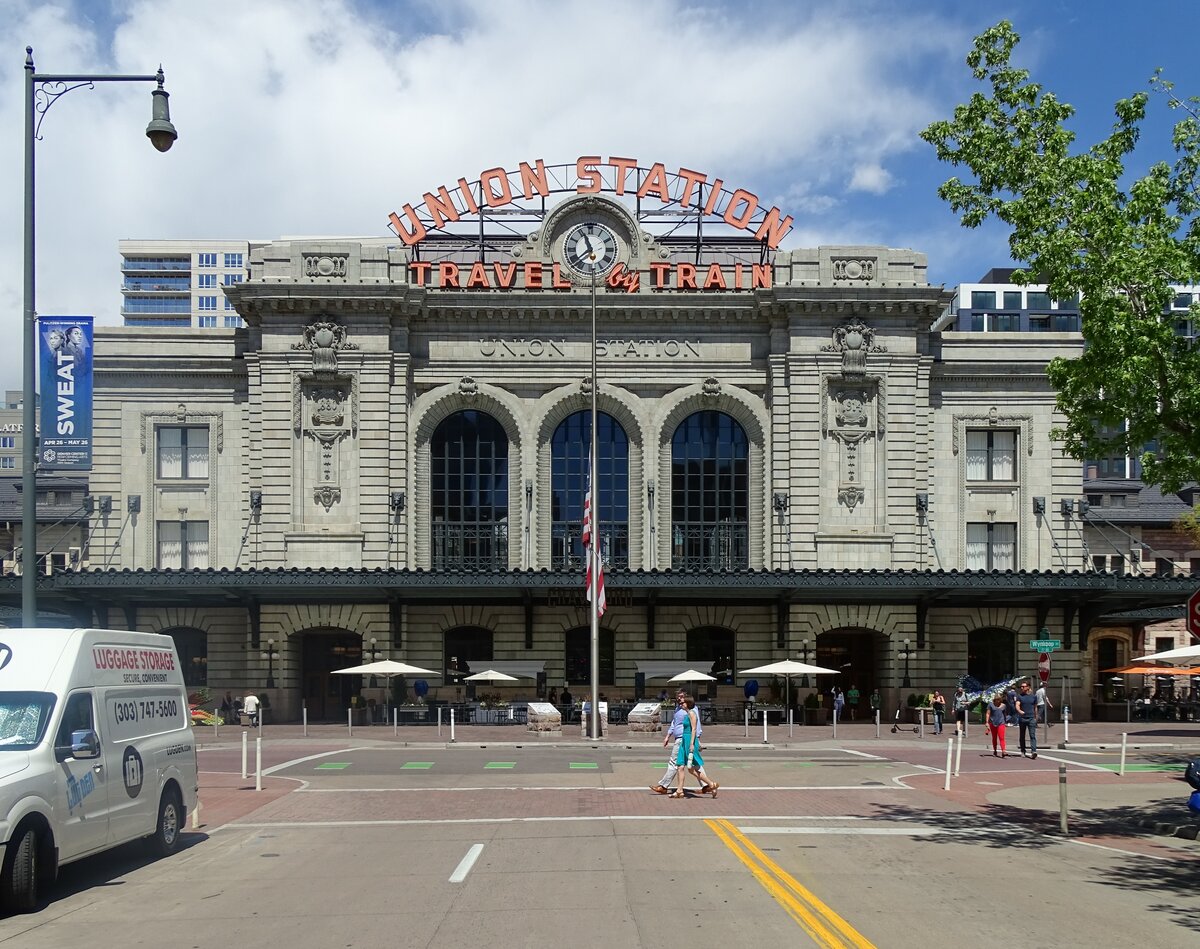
pixel 590 249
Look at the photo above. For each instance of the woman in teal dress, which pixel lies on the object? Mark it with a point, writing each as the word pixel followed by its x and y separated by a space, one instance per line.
pixel 689 752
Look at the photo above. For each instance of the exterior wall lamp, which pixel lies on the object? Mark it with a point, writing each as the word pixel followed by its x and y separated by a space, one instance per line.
pixel 906 654
pixel 396 502
pixel 270 655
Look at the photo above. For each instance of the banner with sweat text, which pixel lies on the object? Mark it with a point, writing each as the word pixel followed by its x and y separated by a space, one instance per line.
pixel 65 363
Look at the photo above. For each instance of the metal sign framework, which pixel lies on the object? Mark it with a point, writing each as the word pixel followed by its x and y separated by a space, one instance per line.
pixel 497 211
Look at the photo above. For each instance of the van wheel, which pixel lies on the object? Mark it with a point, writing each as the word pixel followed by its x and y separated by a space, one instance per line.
pixel 20 883
pixel 165 839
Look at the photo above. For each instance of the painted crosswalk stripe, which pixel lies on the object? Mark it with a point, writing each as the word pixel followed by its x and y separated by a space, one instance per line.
pixel 584 766
pixel 417 765
pixel 500 764
pixel 332 766
pixel 464 865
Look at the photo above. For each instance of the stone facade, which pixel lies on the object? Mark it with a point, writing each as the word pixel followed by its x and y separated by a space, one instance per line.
pixel 320 415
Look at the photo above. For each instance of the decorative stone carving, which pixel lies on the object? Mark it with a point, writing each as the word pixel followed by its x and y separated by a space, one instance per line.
pixel 327 495
pixel 854 268
pixel 993 419
pixel 853 340
pixel 183 415
pixel 850 410
pixel 852 425
pixel 711 387
pixel 468 387
pixel 851 495
pixel 585 385
pixel 324 266
pixel 324 340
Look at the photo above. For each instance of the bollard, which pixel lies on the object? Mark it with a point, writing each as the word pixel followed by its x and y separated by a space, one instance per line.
pixel 452 724
pixel 1062 799
pixel 949 759
pixel 350 722
pixel 395 722
pixel 835 718
pixel 439 721
pixel 958 755
pixel 765 716
pixel 789 722
pixel 1066 724
pixel 196 815
pixel 258 763
pixel 921 716
pixel 1124 740
pixel 1128 711
pixel 747 723
pixel 876 723
pixel 216 733
pixel 304 716
pixel 244 772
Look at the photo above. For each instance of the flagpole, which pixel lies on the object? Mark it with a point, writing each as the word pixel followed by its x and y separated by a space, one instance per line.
pixel 594 547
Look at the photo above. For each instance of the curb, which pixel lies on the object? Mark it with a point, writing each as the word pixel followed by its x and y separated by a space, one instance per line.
pixel 1163 829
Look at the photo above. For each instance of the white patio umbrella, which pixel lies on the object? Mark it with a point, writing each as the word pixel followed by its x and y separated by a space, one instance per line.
pixel 788 668
pixel 1174 655
pixel 490 675
pixel 384 667
pixel 692 675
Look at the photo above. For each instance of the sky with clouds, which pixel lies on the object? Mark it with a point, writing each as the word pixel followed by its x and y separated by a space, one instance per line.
pixel 319 117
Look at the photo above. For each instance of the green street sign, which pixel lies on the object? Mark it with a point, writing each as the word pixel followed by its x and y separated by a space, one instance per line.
pixel 1045 645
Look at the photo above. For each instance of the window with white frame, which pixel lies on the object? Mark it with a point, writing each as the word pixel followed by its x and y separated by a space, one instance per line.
pixel 8 461
pixel 182 451
pixel 207 320
pixel 991 454
pixel 991 546
pixel 207 303
pixel 206 281
pixel 233 321
pixel 182 545
pixel 206 260
pixel 232 278
pixel 233 260
pixel 8 441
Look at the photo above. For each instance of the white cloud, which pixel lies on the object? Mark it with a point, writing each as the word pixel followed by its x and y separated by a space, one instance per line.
pixel 322 116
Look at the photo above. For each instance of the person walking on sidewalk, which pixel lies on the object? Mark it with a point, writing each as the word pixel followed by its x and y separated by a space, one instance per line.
pixel 689 752
pixel 1027 718
pixel 674 739
pixel 938 702
pixel 876 703
pixel 852 695
pixel 961 705
pixel 997 718
pixel 1043 704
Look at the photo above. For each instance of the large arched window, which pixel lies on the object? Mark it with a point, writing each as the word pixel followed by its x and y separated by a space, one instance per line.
pixel 469 493
pixel 192 646
pixel 466 650
pixel 991 655
pixel 710 493
pixel 568 486
pixel 579 656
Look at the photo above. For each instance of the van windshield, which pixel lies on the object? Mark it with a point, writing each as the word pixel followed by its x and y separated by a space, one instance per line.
pixel 23 719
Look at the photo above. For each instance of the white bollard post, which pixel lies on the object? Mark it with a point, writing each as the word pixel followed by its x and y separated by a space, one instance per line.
pixel 452 724
pixel 835 718
pixel 196 815
pixel 439 721
pixel 1066 727
pixel 958 755
pixel 1128 711
pixel 949 758
pixel 304 716
pixel 876 723
pixel 921 718
pixel 1062 799
pixel 258 763
pixel 765 717
pixel 747 723
pixel 216 733
pixel 350 722
pixel 1124 741
pixel 244 772
pixel 789 722
pixel 395 721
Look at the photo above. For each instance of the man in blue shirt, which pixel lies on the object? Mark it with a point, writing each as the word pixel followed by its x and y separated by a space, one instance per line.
pixel 1027 717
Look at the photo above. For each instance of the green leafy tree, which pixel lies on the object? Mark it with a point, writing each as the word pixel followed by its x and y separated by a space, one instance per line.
pixel 1082 224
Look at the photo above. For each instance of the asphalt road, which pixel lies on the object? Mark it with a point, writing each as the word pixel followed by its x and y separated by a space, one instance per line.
pixel 506 847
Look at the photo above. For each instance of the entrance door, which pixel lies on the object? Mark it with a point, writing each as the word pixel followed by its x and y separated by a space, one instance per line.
pixel 852 654
pixel 81 785
pixel 327 696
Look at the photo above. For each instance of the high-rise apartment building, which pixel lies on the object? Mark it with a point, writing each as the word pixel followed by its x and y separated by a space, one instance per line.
pixel 181 283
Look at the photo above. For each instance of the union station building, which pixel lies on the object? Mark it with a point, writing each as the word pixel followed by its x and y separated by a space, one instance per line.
pixel 800 454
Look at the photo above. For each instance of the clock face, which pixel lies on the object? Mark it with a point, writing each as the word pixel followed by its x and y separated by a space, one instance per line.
pixel 590 249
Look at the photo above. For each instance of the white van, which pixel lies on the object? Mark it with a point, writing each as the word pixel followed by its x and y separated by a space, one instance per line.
pixel 96 749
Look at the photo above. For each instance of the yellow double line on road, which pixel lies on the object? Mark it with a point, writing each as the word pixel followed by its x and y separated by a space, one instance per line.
pixel 826 927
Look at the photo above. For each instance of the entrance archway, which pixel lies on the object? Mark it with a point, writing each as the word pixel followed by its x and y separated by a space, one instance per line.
pixel 327 696
pixel 853 653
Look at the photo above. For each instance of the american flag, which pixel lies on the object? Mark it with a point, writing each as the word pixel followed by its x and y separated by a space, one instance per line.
pixel 592 553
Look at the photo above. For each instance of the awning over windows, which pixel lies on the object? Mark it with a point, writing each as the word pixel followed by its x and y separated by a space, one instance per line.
pixel 522 668
pixel 661 669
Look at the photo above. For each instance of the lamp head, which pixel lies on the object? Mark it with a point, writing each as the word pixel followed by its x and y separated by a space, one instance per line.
pixel 160 131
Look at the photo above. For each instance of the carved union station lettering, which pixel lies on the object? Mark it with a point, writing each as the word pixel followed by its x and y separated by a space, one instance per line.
pixel 523 348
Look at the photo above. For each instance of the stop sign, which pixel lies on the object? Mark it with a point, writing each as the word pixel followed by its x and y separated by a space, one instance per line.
pixel 1193 614
pixel 1044 666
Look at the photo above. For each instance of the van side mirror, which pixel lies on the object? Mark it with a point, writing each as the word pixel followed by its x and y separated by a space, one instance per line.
pixel 85 743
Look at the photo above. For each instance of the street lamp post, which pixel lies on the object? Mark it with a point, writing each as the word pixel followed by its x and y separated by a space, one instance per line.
pixel 906 654
pixel 42 91
pixel 372 654
pixel 270 655
pixel 804 644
